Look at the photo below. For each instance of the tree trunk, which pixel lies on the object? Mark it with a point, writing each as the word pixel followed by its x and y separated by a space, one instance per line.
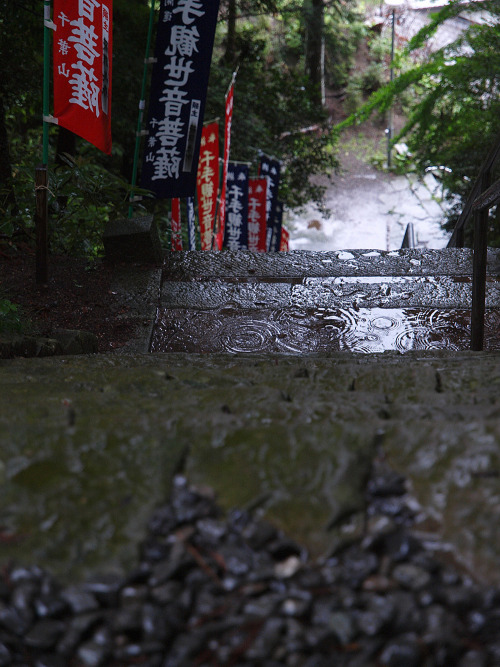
pixel 313 14
pixel 6 185
pixel 230 54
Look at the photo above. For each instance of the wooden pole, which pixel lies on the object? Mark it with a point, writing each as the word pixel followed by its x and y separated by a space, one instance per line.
pixel 479 274
pixel 41 224
pixel 142 106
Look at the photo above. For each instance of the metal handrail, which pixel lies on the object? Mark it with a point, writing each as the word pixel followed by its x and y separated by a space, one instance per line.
pixel 409 237
pixel 480 208
pixel 457 237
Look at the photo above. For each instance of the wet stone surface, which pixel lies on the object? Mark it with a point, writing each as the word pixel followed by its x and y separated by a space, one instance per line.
pixel 336 263
pixel 232 589
pixel 111 429
pixel 303 330
pixel 367 291
pixel 299 302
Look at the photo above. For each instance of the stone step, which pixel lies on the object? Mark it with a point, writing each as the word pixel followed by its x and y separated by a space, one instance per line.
pixel 297 432
pixel 300 302
pixel 328 292
pixel 184 266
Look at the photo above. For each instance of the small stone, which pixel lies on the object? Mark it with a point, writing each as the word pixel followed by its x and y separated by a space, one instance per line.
pixel 50 660
pixel 166 593
pixel 5 656
pixel 296 606
pixel 358 565
pixel 80 626
pixel 92 654
pixel 80 601
pixel 387 483
pixel 407 615
pixel 370 623
pixel 134 594
pixel 4 591
pixel 211 530
pixel 403 651
pixel 267 640
pixel 288 567
pixel 259 534
pixel 129 652
pixel 399 546
pixel 174 568
pixel 263 606
pixel 22 599
pixel 11 620
pixel 155 623
pixel 378 584
pixel 411 576
pixel 343 626
pixel 48 606
pixel 105 588
pixel 476 621
pixel 127 620
pixel 44 634
pixel 460 598
pixel 237 561
pixel 473 659
pixel 25 574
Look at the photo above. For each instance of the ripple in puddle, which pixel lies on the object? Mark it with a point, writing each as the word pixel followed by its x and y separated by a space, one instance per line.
pixel 296 331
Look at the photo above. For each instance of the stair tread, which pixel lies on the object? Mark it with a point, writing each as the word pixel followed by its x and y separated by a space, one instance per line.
pixel 300 263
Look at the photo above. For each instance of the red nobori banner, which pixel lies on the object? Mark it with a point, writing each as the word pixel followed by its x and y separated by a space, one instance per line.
pixel 257 220
pixel 82 53
pixel 176 224
pixel 227 147
pixel 208 182
pixel 285 240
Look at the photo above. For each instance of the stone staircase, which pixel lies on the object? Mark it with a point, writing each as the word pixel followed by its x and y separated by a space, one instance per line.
pixel 303 302
pixel 254 386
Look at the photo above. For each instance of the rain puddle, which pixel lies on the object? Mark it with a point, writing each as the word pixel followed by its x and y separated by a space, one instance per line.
pixel 296 331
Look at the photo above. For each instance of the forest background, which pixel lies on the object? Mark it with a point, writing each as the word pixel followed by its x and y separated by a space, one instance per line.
pixel 287 53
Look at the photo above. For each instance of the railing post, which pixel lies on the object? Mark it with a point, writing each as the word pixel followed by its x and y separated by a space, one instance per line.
pixel 479 273
pixel 41 224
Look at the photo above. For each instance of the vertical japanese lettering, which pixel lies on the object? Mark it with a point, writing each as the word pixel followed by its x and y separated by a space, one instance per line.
pixel 178 90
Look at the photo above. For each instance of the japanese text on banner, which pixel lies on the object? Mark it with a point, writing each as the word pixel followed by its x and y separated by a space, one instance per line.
pixel 257 195
pixel 82 59
pixel 236 229
pixel 184 43
pixel 270 168
pixel 208 183
pixel 221 218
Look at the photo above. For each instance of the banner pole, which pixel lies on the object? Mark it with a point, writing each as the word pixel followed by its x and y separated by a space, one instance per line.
pixel 142 106
pixel 46 79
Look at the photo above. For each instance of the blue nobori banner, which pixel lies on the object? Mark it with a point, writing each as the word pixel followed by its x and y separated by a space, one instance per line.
pixel 236 228
pixel 270 168
pixel 183 52
pixel 191 223
pixel 276 229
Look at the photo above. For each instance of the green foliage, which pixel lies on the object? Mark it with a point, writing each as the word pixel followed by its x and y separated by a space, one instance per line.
pixel 273 105
pixel 10 317
pixel 452 102
pixel 84 197
pixel 274 111
pixel 343 34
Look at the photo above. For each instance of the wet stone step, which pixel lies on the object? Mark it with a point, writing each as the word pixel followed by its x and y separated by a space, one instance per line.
pixel 302 331
pixel 300 263
pixel 329 292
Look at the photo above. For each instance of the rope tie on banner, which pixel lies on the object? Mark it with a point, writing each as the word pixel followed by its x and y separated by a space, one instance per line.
pixel 44 187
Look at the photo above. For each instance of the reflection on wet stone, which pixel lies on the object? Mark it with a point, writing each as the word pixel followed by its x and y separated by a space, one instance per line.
pixel 293 331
